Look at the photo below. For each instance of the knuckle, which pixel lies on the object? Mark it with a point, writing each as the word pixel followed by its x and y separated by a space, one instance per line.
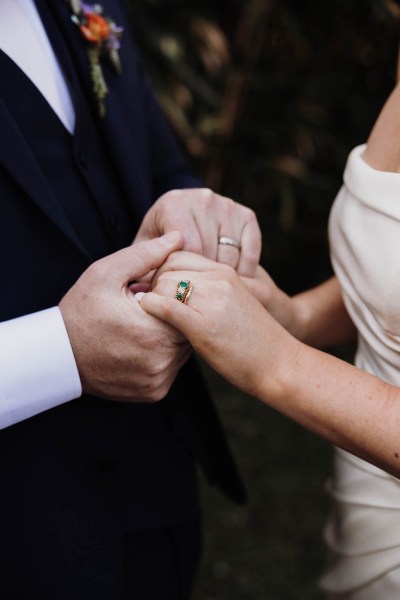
pixel 250 214
pixel 194 246
pixel 225 287
pixel 155 395
pixel 142 255
pixel 159 393
pixel 252 253
pixel 228 204
pixel 207 197
pixel 150 395
pixel 141 251
pixel 173 262
pixel 165 275
pixel 169 197
pixel 157 386
pixel 228 258
pixel 98 270
pixel 229 273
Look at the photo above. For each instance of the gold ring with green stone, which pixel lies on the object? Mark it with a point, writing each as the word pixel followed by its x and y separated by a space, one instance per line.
pixel 183 290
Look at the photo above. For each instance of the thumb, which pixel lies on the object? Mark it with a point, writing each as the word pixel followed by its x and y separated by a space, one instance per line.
pixel 139 259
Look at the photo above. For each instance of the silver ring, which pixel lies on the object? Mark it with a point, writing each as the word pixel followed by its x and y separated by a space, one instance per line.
pixel 227 241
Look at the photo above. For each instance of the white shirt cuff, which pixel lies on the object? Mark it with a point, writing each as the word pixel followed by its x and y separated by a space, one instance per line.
pixel 37 366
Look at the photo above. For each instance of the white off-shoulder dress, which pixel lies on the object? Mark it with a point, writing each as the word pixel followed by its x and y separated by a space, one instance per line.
pixel 363 531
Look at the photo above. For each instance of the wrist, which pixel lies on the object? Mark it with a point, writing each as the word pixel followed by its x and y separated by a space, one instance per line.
pixel 277 373
pixel 301 317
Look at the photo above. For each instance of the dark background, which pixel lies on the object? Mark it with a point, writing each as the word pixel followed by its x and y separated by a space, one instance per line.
pixel 267 98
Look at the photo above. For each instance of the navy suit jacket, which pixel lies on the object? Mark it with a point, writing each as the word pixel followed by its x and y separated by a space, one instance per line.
pixel 68 475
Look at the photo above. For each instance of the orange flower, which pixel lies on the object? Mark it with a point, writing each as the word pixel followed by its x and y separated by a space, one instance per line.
pixel 96 29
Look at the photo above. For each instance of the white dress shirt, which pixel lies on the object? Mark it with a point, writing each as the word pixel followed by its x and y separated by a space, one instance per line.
pixel 24 39
pixel 37 365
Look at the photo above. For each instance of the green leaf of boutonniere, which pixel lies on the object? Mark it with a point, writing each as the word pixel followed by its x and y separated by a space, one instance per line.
pixel 102 37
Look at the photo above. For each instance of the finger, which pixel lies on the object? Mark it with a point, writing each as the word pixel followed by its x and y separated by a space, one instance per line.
pixel 203 288
pixel 146 278
pixel 185 261
pixel 228 255
pixel 222 217
pixel 138 260
pixel 137 287
pixel 172 213
pixel 208 220
pixel 175 313
pixel 165 331
pixel 209 212
pixel 187 225
pixel 168 287
pixel 233 220
pixel 199 219
pixel 250 249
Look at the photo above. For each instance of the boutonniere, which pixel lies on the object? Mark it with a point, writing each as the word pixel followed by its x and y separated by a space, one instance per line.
pixel 102 37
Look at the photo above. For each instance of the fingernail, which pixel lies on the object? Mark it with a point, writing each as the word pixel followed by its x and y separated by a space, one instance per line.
pixel 171 239
pixel 139 296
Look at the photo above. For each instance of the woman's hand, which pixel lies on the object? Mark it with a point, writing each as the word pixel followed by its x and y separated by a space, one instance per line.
pixel 316 316
pixel 286 310
pixel 223 321
pixel 232 331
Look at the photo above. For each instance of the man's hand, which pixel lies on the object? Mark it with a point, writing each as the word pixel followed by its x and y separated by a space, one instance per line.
pixel 123 353
pixel 203 217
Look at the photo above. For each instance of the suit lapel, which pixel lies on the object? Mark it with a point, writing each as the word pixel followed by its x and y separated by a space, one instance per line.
pixel 17 158
pixel 113 127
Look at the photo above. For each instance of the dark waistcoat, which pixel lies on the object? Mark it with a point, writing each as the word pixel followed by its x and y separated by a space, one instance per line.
pixel 75 478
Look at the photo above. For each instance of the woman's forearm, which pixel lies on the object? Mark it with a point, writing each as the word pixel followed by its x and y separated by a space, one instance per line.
pixel 231 330
pixel 337 401
pixel 317 316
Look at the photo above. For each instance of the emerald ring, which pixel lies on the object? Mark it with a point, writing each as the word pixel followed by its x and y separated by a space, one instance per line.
pixel 183 290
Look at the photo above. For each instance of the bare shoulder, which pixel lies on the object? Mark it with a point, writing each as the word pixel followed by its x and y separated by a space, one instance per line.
pixel 383 146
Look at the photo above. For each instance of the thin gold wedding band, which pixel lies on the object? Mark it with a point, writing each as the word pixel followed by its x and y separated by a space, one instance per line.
pixel 227 241
pixel 187 295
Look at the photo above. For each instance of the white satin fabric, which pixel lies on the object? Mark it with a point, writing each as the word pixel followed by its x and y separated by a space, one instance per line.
pixel 363 531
